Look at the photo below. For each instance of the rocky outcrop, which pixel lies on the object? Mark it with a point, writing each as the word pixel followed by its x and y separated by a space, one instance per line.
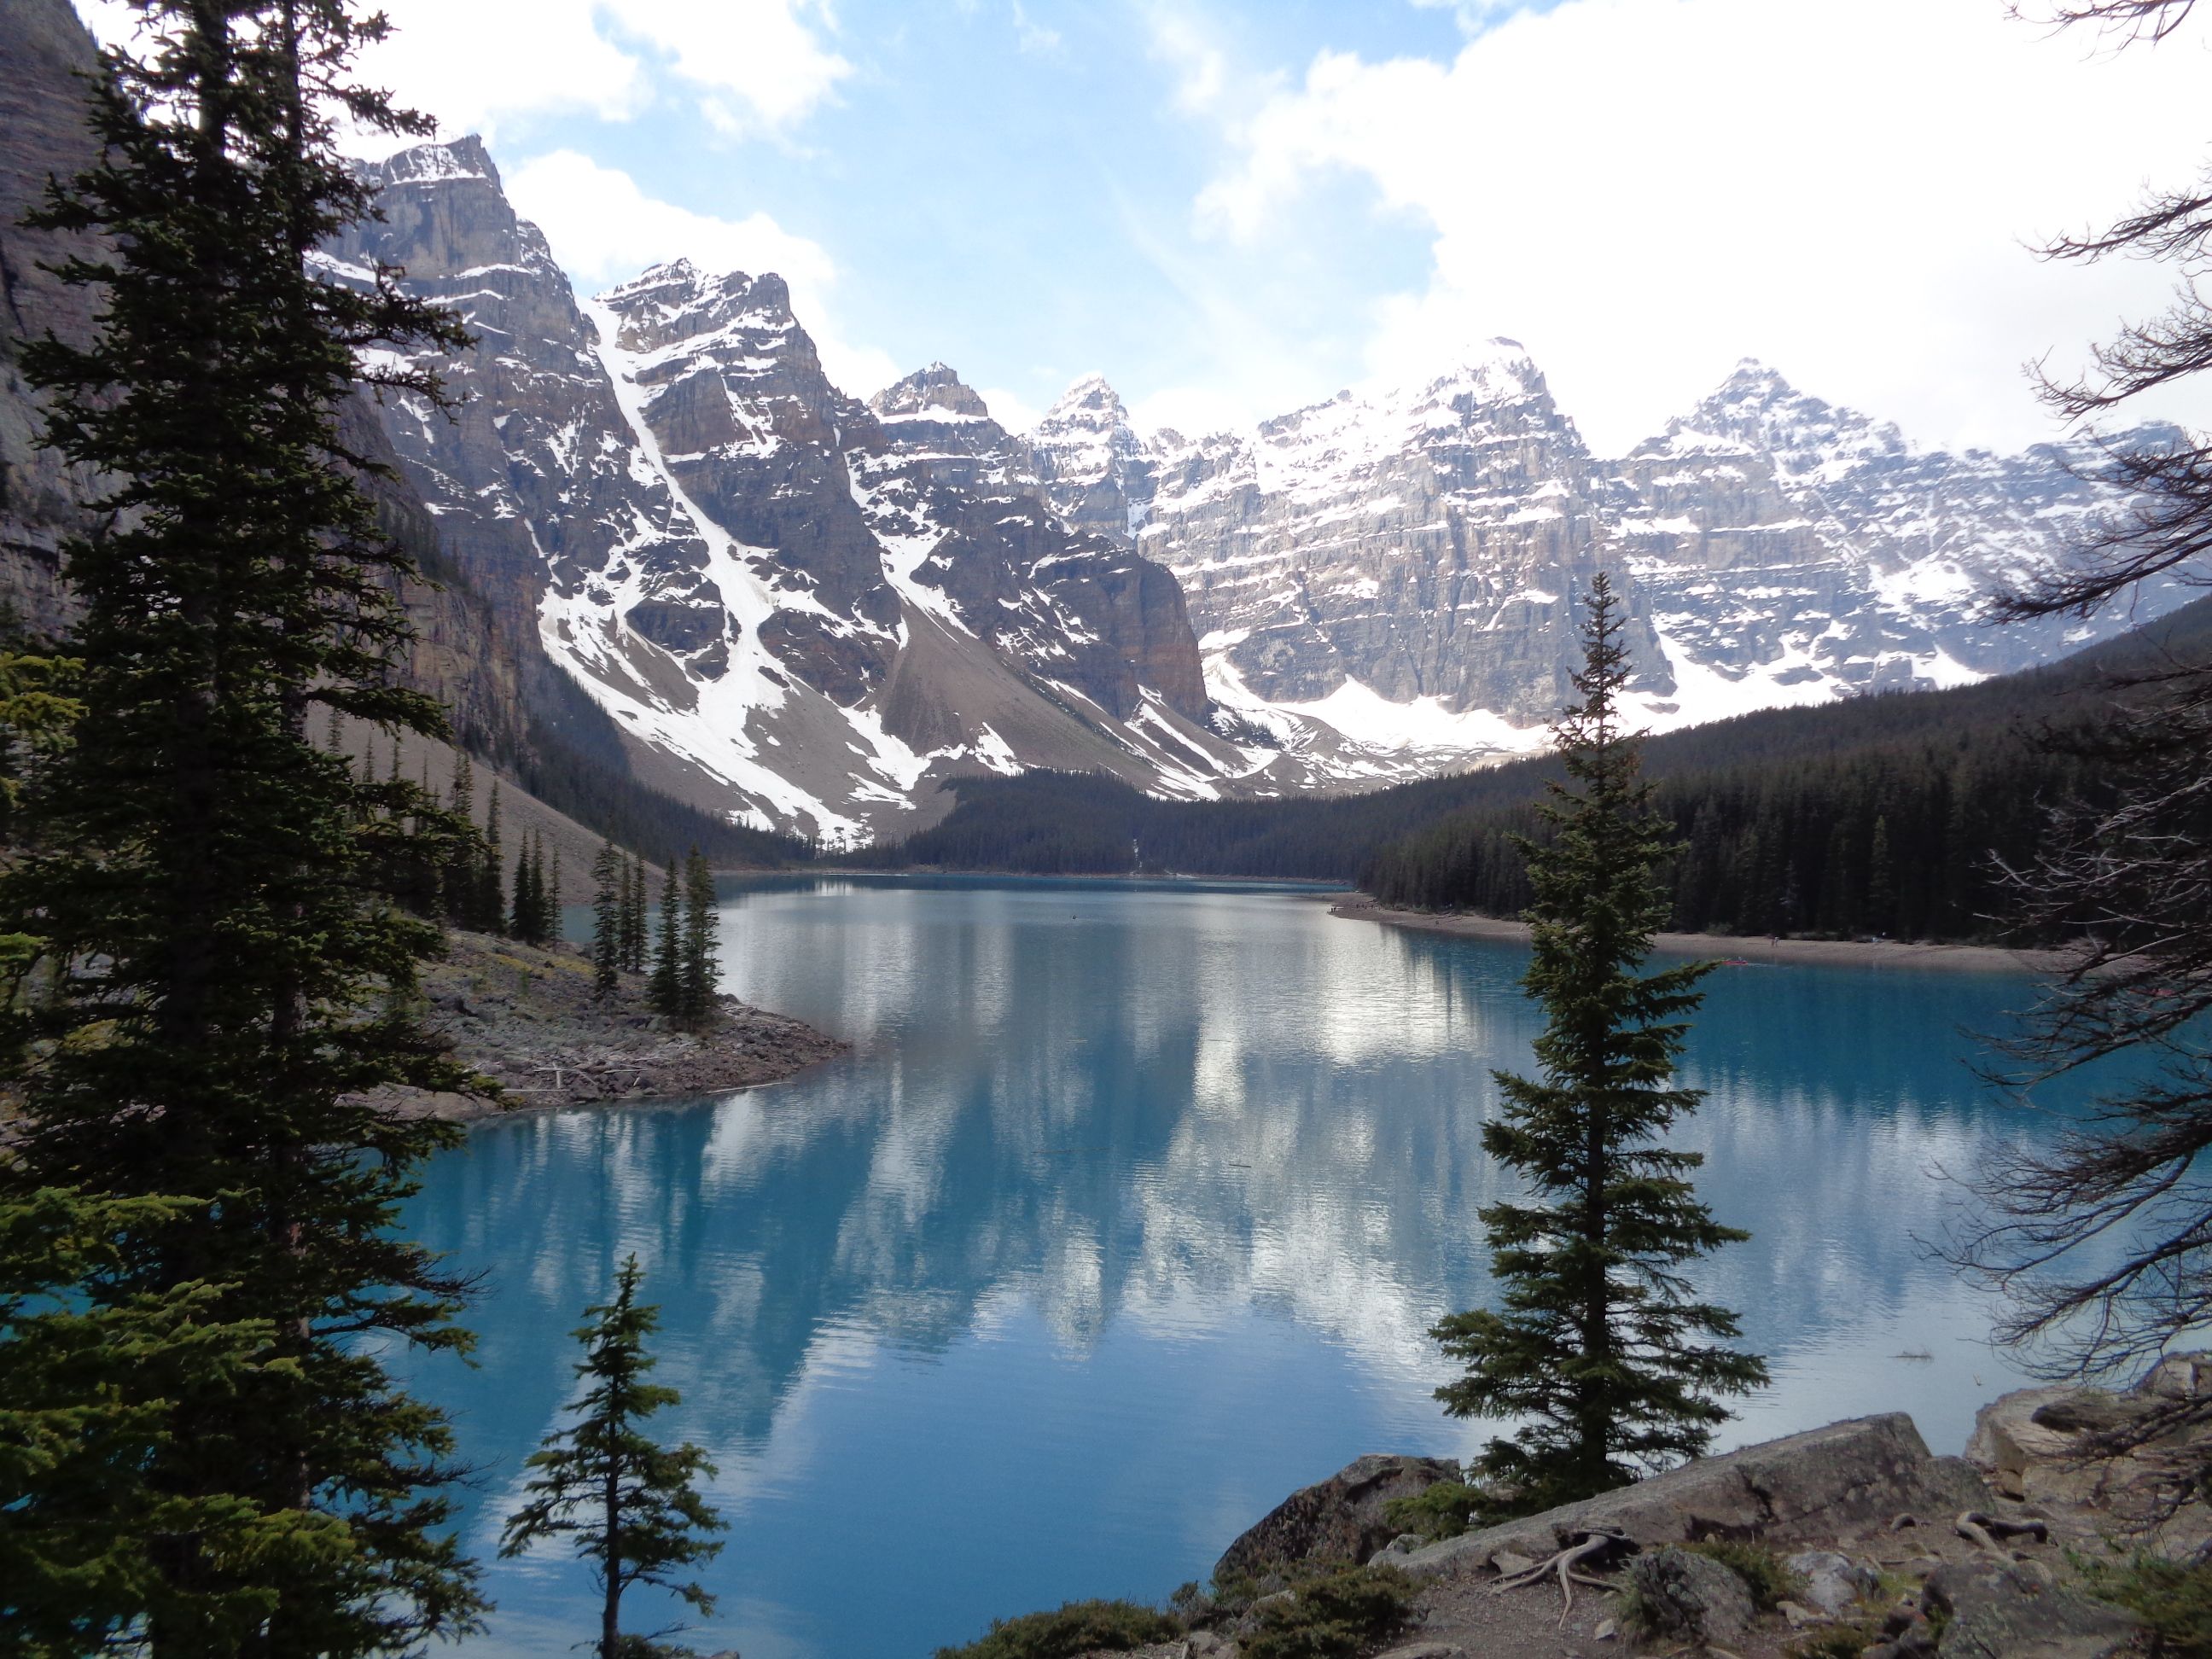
pixel 1808 1488
pixel 2128 1459
pixel 1338 1519
pixel 2004 1610
pixel 525 1017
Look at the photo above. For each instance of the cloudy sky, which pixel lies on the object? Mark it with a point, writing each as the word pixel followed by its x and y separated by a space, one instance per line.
pixel 1233 207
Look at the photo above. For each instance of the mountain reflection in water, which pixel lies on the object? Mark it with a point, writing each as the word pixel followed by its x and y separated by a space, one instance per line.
pixel 1127 1214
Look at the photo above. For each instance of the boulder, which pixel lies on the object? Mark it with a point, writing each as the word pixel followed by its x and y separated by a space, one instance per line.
pixel 1682 1596
pixel 2018 1437
pixel 1831 1582
pixel 1997 1610
pixel 1340 1519
pixel 1809 1488
pixel 2036 1445
pixel 2178 1377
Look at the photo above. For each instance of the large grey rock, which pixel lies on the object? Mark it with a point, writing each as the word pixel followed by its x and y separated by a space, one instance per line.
pixel 1813 1487
pixel 1830 1583
pixel 1338 1519
pixel 1685 1596
pixel 1992 1610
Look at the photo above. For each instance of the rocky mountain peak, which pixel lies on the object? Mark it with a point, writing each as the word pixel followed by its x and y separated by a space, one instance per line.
pixel 676 302
pixel 937 391
pixel 1757 407
pixel 1096 471
pixel 460 158
pixel 1090 403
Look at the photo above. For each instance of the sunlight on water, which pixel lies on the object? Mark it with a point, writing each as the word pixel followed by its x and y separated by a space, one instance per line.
pixel 1127 1214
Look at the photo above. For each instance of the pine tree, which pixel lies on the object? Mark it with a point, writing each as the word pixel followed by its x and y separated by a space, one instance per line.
pixel 90 1369
pixel 698 975
pixel 610 907
pixel 664 990
pixel 1597 1345
pixel 1881 881
pixel 229 989
pixel 628 1502
pixel 552 898
pixel 491 873
pixel 464 854
pixel 634 927
pixel 526 909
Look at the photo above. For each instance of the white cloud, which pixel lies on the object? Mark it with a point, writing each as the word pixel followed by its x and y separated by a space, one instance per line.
pixel 475 65
pixel 604 229
pixel 760 61
pixel 1200 66
pixel 1009 408
pixel 1643 190
pixel 1033 38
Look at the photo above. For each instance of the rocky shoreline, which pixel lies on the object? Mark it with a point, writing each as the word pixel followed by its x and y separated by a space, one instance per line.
pixel 524 1016
pixel 1849 1541
pixel 1792 952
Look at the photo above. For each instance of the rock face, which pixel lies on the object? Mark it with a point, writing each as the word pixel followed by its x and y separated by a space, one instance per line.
pixel 1338 1519
pixel 1428 543
pixel 1992 1610
pixel 42 134
pixel 1686 1596
pixel 459 654
pixel 1807 1488
pixel 1403 562
pixel 802 609
pixel 2035 1445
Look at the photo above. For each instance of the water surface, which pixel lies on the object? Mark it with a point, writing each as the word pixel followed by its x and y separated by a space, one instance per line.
pixel 1126 1216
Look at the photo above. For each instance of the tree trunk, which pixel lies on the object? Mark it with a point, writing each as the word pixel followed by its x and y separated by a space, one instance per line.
pixel 611 1607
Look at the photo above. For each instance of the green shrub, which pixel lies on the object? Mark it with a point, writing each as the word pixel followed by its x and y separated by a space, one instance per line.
pixel 1762 1571
pixel 1336 1617
pixel 1075 1627
pixel 2173 1598
pixel 1443 1510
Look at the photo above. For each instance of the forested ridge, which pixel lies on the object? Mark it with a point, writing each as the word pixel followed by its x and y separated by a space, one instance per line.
pixel 1879 815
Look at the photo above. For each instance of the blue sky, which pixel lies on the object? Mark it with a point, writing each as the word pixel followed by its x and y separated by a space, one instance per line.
pixel 1234 207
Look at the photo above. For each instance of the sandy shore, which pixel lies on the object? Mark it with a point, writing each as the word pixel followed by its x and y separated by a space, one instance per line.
pixel 1796 952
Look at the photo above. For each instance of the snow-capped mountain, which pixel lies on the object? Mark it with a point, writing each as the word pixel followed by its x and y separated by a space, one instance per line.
pixel 1401 563
pixel 808 611
pixel 801 608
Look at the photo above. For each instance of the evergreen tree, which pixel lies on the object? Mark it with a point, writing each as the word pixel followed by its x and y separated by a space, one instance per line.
pixel 525 916
pixel 634 927
pixel 91 1367
pixel 610 907
pixel 552 898
pixel 664 990
pixel 1597 1345
pixel 491 873
pixel 1881 881
pixel 464 854
pixel 229 988
pixel 627 1501
pixel 698 973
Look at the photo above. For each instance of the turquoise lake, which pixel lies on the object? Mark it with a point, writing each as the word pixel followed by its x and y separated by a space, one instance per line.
pixel 1126 1216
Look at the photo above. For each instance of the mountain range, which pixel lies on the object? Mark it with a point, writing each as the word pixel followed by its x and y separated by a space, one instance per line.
pixel 672 544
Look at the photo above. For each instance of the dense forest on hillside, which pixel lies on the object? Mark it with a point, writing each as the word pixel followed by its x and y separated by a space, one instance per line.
pixel 1875 816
